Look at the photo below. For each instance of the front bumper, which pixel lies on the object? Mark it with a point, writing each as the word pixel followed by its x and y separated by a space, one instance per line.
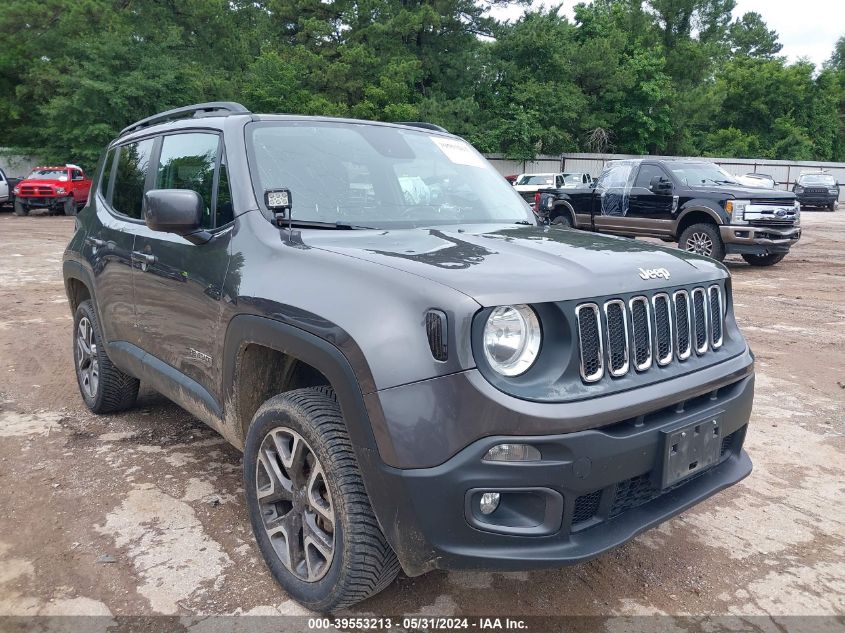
pixel 758 240
pixel 817 200
pixel 41 201
pixel 593 490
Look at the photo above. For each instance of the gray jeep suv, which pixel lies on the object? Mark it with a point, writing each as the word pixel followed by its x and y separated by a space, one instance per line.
pixel 367 310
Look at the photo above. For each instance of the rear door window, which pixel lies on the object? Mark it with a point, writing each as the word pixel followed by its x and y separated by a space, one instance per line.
pixel 130 176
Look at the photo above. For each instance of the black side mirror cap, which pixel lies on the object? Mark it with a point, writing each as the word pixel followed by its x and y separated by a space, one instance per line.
pixel 659 184
pixel 176 211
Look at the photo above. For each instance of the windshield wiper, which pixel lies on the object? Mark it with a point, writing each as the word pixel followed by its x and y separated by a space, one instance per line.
pixel 314 224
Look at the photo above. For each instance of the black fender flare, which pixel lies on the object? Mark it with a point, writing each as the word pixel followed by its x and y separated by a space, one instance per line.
pixel 568 208
pixel 246 329
pixel 74 270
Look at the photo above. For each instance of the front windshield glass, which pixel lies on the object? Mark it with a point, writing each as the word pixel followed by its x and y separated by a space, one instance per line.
pixel 379 176
pixel 701 174
pixel 817 179
pixel 537 179
pixel 48 174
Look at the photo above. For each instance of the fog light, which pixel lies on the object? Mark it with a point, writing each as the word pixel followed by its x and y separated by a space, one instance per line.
pixel 512 453
pixel 489 502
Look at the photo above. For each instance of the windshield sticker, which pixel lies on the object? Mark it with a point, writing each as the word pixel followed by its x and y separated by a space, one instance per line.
pixel 458 152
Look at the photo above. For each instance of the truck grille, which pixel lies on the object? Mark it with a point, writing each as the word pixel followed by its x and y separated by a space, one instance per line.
pixel 33 190
pixel 646 331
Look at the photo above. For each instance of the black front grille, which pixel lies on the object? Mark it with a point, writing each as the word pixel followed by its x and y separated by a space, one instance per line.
pixel 662 327
pixel 586 507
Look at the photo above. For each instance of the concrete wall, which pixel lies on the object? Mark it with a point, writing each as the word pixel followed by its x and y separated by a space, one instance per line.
pixel 16 166
pixel 784 172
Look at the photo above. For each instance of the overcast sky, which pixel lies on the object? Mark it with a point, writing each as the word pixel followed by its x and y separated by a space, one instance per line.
pixel 808 28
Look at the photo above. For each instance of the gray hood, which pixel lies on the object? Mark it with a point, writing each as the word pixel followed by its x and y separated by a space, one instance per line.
pixel 498 265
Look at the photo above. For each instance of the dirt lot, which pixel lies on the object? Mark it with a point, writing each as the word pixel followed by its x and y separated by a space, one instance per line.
pixel 142 513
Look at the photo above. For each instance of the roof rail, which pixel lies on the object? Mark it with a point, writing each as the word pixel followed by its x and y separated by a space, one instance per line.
pixel 198 110
pixel 424 125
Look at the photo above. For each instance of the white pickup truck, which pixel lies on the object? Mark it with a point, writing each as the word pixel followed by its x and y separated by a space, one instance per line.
pixel 527 185
pixel 7 186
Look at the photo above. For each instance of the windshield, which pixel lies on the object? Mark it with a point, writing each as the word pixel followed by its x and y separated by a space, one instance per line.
pixel 701 174
pixel 817 179
pixel 537 179
pixel 48 174
pixel 379 176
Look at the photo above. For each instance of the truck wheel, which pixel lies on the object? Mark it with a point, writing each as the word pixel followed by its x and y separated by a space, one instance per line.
pixel 104 388
pixel 563 221
pixel 70 206
pixel 832 206
pixel 703 239
pixel 307 504
pixel 20 209
pixel 764 260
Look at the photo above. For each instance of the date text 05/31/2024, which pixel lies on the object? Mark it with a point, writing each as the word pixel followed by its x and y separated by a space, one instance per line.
pixel 417 623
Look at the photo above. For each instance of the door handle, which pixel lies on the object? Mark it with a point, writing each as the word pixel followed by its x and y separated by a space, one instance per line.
pixel 145 258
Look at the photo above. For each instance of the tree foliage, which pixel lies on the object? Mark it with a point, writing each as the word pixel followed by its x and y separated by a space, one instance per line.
pixel 634 76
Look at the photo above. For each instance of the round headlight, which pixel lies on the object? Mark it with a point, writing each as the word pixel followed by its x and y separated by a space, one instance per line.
pixel 512 339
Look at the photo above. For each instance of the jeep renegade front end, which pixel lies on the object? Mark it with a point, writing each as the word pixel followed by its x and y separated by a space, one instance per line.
pixel 366 310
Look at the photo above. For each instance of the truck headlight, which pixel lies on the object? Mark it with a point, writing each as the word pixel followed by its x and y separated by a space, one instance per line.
pixel 61 191
pixel 512 338
pixel 799 189
pixel 833 192
pixel 736 209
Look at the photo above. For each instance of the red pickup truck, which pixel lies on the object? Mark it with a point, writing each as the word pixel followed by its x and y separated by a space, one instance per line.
pixel 58 189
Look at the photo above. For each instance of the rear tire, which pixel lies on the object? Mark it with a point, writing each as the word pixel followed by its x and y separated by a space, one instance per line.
pixel 20 209
pixel 301 478
pixel 104 388
pixel 764 260
pixel 563 221
pixel 703 239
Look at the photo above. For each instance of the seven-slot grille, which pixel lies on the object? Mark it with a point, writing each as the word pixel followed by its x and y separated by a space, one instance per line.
pixel 648 331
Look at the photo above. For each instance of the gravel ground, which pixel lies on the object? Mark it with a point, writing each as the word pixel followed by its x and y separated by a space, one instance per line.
pixel 142 513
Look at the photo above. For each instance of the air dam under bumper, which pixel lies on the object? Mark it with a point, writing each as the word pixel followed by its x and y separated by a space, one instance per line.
pixel 758 240
pixel 592 491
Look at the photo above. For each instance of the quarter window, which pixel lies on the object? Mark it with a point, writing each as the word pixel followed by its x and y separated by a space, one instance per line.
pixel 130 177
pixel 187 162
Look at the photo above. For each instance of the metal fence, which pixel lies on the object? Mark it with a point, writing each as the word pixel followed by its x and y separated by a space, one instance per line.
pixel 784 172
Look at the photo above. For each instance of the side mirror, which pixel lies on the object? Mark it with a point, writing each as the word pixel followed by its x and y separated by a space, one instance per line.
pixel 176 211
pixel 660 185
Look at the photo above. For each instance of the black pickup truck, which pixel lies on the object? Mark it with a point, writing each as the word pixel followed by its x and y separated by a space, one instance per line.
pixel 692 202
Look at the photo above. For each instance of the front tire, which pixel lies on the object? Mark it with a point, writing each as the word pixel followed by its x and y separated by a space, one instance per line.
pixel 104 388
pixel 69 206
pixel 764 260
pixel 307 504
pixel 20 209
pixel 703 239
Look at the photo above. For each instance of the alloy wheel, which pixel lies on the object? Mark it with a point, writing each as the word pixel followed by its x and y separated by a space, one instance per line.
pixel 295 503
pixel 87 363
pixel 700 244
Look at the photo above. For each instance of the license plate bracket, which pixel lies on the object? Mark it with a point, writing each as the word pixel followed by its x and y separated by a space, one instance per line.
pixel 690 449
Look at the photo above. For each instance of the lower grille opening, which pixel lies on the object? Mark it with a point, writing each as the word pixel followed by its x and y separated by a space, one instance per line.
pixel 586 507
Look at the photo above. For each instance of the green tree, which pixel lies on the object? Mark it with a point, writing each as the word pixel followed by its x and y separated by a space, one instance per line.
pixel 750 36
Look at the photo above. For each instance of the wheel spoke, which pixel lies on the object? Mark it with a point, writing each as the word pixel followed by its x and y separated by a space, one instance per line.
pixel 319 545
pixel 275 486
pixel 321 503
pixel 292 451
